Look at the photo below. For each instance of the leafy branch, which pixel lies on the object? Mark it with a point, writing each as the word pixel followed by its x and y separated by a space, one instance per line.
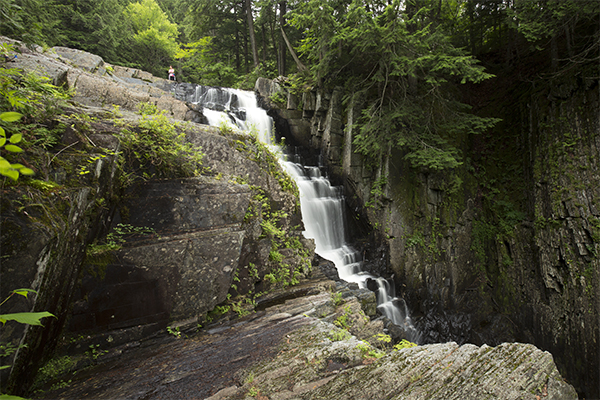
pixel 8 169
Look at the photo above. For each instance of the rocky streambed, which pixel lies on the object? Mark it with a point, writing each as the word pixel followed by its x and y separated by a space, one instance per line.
pixel 315 341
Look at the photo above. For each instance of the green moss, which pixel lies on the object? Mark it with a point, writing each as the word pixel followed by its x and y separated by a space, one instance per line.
pixel 54 369
pixel 278 98
pixel 339 335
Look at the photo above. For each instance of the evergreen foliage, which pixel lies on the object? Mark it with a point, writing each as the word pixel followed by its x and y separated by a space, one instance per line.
pixel 98 27
pixel 31 21
pixel 405 58
pixel 404 67
pixel 199 64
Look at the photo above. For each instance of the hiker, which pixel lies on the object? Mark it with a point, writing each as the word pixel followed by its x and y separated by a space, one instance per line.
pixel 171 73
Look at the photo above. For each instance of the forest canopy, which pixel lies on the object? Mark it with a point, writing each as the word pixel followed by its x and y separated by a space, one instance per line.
pixel 405 59
pixel 218 41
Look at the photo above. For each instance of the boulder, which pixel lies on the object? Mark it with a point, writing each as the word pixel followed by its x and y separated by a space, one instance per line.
pixel 97 83
pixel 78 58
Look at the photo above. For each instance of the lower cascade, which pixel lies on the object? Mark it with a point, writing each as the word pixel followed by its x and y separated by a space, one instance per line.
pixel 322 204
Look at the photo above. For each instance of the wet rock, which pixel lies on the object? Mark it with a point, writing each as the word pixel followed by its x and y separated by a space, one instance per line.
pixel 291 351
pixel 397 332
pixel 327 267
pixel 368 301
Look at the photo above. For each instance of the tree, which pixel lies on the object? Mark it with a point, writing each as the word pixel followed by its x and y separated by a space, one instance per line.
pixel 250 20
pixel 31 21
pixel 97 27
pixel 199 64
pixel 155 37
pixel 234 43
pixel 222 21
pixel 281 64
pixel 404 66
pixel 569 25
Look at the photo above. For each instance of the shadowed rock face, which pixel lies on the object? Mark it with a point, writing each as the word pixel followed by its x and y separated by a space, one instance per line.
pixel 180 272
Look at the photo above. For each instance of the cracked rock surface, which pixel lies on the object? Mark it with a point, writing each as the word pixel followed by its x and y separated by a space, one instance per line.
pixel 295 350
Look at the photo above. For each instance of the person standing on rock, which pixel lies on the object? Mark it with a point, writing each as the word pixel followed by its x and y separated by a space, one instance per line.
pixel 171 73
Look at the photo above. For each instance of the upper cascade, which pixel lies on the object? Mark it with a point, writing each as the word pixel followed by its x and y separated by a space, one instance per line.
pixel 228 106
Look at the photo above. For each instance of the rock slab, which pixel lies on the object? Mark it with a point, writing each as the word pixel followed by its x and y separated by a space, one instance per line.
pixel 291 351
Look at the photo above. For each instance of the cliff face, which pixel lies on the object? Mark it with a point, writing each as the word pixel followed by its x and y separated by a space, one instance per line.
pixel 181 240
pixel 505 247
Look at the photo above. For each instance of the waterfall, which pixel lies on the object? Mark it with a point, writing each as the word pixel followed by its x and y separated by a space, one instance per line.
pixel 236 109
pixel 322 204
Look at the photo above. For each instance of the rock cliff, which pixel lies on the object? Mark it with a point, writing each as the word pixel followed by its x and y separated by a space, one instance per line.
pixel 504 248
pixel 121 234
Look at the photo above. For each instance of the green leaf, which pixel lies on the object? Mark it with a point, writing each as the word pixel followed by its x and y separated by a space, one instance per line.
pixel 16 138
pixel 4 367
pixel 4 164
pixel 11 173
pixel 27 171
pixel 30 318
pixel 2 133
pixel 24 292
pixel 2 141
pixel 13 149
pixel 10 396
pixel 10 116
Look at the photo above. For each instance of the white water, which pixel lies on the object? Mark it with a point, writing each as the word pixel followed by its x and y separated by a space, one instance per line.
pixel 322 204
pixel 240 111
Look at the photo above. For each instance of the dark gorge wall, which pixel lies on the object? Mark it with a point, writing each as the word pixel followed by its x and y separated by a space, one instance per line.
pixel 505 247
pixel 561 305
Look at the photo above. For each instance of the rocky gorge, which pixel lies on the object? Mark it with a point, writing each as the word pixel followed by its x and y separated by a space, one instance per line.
pixel 502 248
pixel 226 241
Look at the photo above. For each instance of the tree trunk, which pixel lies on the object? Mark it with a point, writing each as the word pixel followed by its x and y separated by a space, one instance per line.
pixel 250 20
pixel 301 67
pixel 274 39
pixel 238 60
pixel 281 67
pixel 265 43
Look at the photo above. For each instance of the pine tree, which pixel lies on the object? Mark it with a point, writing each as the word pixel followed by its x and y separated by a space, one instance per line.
pixel 405 67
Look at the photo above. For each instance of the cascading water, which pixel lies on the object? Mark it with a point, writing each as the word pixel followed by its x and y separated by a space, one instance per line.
pixel 322 204
pixel 234 108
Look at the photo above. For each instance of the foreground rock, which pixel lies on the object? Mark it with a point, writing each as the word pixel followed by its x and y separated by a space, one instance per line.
pixel 520 265
pixel 294 350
